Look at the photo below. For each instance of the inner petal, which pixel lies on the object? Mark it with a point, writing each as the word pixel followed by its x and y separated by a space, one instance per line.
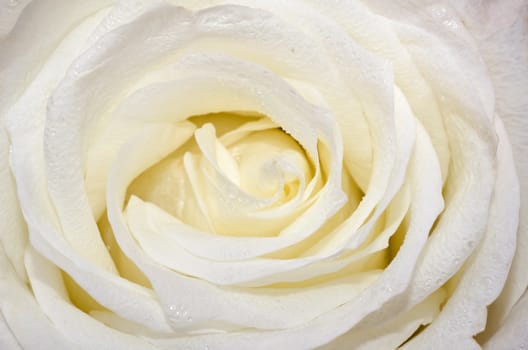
pixel 240 153
pixel 257 156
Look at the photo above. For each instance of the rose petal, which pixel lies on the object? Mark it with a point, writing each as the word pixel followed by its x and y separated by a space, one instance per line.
pixel 34 42
pixel 27 326
pixel 464 314
pixel 394 333
pixel 77 327
pixel 500 29
pixel 26 122
pixel 13 233
pixel 512 333
pixel 321 330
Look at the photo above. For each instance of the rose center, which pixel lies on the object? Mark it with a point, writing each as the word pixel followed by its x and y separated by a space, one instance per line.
pixel 235 166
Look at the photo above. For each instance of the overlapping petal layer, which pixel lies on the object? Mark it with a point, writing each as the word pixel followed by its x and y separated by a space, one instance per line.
pixel 203 175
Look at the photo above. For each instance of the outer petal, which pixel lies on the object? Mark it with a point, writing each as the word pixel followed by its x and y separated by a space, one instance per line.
pixel 464 314
pixel 9 12
pixel 512 333
pixel 24 319
pixel 501 30
pixel 21 57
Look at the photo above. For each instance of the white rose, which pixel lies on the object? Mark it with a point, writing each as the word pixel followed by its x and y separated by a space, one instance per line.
pixel 263 174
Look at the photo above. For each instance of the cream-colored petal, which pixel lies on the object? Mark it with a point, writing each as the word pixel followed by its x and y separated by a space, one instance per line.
pixel 500 31
pixel 77 327
pixel 25 320
pixel 464 314
pixel 394 333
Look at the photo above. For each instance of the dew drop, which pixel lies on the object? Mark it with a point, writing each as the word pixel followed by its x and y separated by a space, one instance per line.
pixel 75 73
pixel 428 283
pixel 450 23
pixel 438 11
